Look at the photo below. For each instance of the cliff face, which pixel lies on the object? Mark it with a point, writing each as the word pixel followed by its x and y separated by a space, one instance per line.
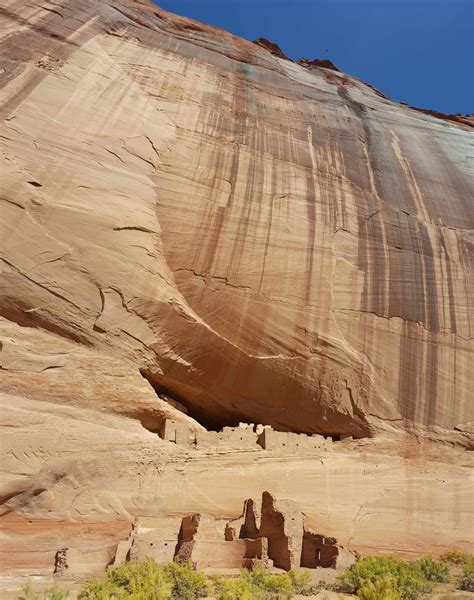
pixel 259 240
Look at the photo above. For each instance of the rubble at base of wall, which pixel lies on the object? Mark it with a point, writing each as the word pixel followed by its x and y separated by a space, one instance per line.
pixel 245 437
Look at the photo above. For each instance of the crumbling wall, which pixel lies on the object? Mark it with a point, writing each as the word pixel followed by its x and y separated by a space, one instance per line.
pixel 218 554
pixel 323 551
pixel 275 535
pixel 239 438
pixel 122 553
pixel 282 524
pixel 247 436
pixel 80 561
pixel 60 562
pixel 178 432
pixel 318 551
pixel 155 537
pixel 256 554
pixel 189 527
pixel 270 439
pixel 247 525
pixel 202 541
pixel 124 547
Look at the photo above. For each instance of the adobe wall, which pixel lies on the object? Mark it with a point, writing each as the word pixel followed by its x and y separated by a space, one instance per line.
pixel 273 536
pixel 154 537
pixel 218 554
pixel 318 551
pixel 322 551
pixel 230 438
pixel 282 525
pixel 157 538
pixel 244 437
pixel 247 525
pixel 178 432
pixel 270 439
pixel 77 561
pixel 202 542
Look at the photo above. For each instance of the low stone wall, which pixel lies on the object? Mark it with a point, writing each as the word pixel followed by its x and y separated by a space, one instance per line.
pixel 230 438
pixel 270 439
pixel 202 541
pixel 178 432
pixel 155 537
pixel 245 437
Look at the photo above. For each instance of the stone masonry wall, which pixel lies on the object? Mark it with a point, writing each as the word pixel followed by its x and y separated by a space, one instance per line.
pixel 274 535
pixel 245 437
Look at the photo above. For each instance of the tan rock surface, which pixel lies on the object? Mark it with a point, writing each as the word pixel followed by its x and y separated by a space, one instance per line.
pixel 264 242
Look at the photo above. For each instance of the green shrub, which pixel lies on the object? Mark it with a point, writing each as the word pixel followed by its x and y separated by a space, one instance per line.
pixel 52 593
pixel 432 570
pixel 456 557
pixel 100 589
pixel 148 581
pixel 188 584
pixel 269 586
pixel 466 581
pixel 140 581
pixel 263 585
pixel 235 589
pixel 384 588
pixel 256 585
pixel 385 573
pixel 303 584
pixel 371 578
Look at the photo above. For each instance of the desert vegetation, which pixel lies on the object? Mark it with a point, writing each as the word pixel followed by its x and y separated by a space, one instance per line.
pixel 390 578
pixel 465 562
pixel 370 578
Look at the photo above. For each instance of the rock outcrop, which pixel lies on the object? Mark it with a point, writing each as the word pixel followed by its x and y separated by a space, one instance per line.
pixel 318 62
pixel 271 47
pixel 196 229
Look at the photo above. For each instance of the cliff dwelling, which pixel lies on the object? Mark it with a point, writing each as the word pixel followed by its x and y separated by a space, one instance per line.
pixel 274 535
pixel 223 271
pixel 246 436
pixel 226 421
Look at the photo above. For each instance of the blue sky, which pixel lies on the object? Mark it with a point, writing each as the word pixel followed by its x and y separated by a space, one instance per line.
pixel 415 51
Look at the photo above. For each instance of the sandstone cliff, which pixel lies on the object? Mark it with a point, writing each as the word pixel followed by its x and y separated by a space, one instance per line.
pixel 192 217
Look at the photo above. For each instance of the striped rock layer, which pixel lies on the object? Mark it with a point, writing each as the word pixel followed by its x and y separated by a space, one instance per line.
pixel 190 221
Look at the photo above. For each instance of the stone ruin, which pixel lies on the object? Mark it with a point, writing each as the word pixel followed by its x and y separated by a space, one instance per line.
pixel 274 536
pixel 247 436
pixel 60 562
